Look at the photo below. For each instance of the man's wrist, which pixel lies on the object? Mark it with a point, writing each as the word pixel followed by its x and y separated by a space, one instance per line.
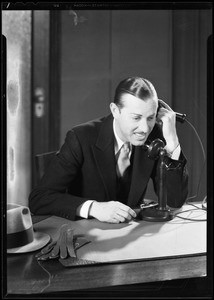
pixel 171 145
pixel 92 209
pixel 83 210
pixel 175 154
pixel 171 152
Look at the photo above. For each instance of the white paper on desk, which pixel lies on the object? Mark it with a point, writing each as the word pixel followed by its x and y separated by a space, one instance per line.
pixel 134 240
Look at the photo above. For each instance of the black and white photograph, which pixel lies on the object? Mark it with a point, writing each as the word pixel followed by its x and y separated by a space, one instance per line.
pixel 107 150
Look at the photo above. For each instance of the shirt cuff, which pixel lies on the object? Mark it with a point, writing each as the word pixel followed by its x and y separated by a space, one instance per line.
pixel 83 209
pixel 176 153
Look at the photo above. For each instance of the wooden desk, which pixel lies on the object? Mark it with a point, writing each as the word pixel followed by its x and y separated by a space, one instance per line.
pixel 26 275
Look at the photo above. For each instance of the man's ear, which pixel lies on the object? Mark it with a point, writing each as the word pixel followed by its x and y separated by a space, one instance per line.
pixel 114 110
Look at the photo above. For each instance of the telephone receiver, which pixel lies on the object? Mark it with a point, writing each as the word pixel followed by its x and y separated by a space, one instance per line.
pixel 179 117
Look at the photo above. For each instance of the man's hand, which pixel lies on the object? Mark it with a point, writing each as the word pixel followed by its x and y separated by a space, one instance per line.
pixel 111 212
pixel 168 119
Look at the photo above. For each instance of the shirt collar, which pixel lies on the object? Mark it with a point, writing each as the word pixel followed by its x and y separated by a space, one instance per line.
pixel 118 142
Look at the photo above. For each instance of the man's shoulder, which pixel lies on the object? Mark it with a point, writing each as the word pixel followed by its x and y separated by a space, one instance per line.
pixel 92 127
pixel 89 124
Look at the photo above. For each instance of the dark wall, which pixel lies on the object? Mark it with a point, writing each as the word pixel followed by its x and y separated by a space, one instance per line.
pixel 103 48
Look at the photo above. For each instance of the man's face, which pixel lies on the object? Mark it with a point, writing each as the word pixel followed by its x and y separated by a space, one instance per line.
pixel 135 120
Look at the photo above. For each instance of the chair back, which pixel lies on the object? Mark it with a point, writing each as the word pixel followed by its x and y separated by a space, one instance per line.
pixel 42 162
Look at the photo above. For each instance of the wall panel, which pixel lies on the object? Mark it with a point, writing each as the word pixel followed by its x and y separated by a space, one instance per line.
pixel 16 26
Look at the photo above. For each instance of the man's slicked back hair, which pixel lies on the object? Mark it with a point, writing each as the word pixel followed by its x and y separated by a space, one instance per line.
pixel 137 86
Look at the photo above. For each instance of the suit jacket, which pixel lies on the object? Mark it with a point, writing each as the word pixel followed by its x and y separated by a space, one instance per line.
pixel 85 168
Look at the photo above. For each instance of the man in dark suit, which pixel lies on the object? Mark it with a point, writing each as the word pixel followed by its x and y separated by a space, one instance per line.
pixel 85 178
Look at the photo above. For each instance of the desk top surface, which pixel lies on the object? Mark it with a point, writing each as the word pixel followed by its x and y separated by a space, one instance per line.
pixel 163 250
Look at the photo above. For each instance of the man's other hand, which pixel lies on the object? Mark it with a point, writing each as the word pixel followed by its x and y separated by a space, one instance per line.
pixel 111 212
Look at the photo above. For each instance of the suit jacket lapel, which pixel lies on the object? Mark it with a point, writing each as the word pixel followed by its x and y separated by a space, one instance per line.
pixel 142 167
pixel 104 156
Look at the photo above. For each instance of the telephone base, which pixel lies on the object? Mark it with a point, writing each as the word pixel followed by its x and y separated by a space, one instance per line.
pixel 154 214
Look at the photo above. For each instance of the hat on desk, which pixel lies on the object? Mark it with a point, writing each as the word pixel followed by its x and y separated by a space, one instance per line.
pixel 21 237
